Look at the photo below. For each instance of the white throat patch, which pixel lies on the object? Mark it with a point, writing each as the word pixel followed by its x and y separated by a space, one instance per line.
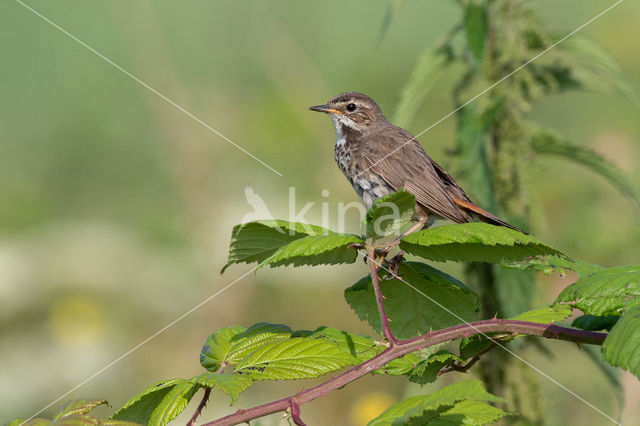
pixel 338 121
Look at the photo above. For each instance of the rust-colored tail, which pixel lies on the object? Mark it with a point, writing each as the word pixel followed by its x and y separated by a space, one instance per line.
pixel 484 215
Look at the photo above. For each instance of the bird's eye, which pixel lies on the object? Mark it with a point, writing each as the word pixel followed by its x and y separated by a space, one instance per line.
pixel 351 107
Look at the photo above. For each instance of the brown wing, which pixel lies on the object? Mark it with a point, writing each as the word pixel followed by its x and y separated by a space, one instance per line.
pixel 399 159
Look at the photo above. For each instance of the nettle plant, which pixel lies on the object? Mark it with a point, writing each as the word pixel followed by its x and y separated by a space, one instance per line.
pixel 428 320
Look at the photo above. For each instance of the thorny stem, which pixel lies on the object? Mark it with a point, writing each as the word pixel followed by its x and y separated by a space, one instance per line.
pixel 203 403
pixel 384 320
pixel 404 347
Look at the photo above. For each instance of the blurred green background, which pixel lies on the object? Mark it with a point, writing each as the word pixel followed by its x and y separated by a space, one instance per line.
pixel 116 208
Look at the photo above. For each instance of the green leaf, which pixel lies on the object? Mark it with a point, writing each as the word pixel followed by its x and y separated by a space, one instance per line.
pixel 296 358
pixel 329 249
pixel 593 323
pixel 607 292
pixel 475 20
pixel 256 241
pixel 139 408
pixel 173 403
pixel 217 347
pixel 551 264
pixel 621 347
pixel 548 143
pixel 79 406
pixel 359 346
pixel 389 214
pixel 429 67
pixel 426 371
pixel 400 366
pixel 231 384
pixel 469 413
pixel 229 345
pixel 546 315
pixel 413 408
pixel 411 312
pixel 474 242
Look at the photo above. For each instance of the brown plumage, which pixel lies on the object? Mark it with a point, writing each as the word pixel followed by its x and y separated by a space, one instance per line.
pixel 379 158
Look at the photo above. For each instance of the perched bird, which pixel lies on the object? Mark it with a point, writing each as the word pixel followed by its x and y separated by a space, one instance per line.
pixel 378 158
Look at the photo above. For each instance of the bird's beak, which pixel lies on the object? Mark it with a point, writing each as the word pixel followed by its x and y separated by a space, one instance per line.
pixel 325 109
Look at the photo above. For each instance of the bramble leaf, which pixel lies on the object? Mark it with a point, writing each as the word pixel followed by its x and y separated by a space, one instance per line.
pixel 620 348
pixel 546 315
pixel 256 241
pixel 474 242
pixel 296 358
pixel 426 371
pixel 424 408
pixel 140 408
pixel 593 323
pixel 423 298
pixel 231 384
pixel 607 292
pixel 469 412
pixel 173 403
pixel 389 214
pixel 327 249
pixel 79 406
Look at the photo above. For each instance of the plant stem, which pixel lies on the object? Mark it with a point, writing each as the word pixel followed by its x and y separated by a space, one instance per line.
pixel 384 320
pixel 205 398
pixel 404 347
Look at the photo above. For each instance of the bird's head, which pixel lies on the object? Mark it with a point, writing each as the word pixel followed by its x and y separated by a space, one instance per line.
pixel 353 111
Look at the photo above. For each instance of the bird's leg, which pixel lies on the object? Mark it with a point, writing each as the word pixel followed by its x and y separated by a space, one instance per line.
pixel 384 320
pixel 416 226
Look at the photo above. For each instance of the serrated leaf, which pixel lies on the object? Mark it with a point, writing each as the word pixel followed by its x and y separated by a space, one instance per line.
pixel 428 69
pixel 414 407
pixel 256 241
pixel 621 348
pixel 389 214
pixel 254 337
pixel 231 384
pixel 229 345
pixel 217 347
pixel 359 346
pixel 593 323
pixel 296 358
pixel 546 315
pixel 329 249
pixel 139 408
pixel 400 366
pixel 411 312
pixel 471 413
pixel 548 143
pixel 173 403
pixel 607 292
pixel 79 406
pixel 426 371
pixel 551 264
pixel 475 20
pixel 474 242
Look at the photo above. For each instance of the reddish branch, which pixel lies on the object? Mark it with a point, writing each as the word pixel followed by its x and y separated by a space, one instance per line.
pixel 386 331
pixel 205 398
pixel 404 347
